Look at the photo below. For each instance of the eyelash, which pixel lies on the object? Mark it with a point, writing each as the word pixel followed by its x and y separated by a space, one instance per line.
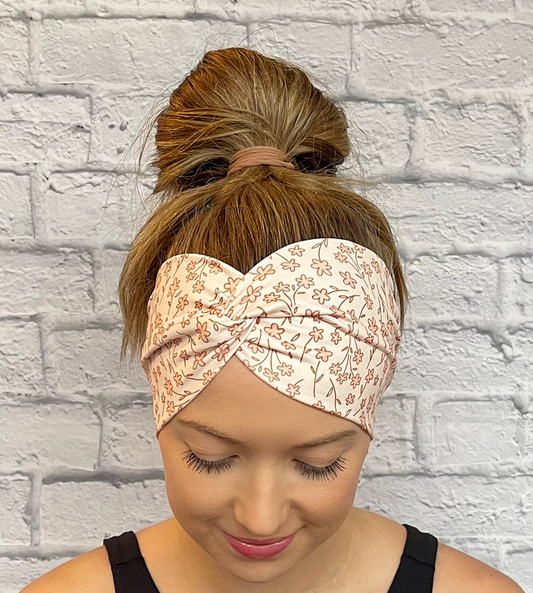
pixel 313 473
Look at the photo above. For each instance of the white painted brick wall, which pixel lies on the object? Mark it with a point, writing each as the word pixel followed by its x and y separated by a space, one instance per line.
pixel 439 99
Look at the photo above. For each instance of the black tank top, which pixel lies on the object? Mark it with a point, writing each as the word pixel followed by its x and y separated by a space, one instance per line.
pixel 414 575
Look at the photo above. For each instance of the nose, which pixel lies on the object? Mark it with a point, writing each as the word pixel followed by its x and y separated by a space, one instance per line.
pixel 262 507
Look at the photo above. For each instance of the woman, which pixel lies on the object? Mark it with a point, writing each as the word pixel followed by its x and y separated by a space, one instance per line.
pixel 261 293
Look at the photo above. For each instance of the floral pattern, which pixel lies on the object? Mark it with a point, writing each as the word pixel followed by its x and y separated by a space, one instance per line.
pixel 317 320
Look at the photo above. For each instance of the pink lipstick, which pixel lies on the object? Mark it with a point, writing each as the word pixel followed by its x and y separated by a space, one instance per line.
pixel 262 550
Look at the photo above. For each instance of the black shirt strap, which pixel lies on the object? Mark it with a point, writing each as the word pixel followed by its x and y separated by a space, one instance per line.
pixel 417 566
pixel 130 573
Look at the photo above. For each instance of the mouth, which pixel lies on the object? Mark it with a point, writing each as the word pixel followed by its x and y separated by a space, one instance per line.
pixel 259 542
pixel 259 549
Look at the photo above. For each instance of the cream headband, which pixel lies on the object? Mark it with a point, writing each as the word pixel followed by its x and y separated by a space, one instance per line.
pixel 317 320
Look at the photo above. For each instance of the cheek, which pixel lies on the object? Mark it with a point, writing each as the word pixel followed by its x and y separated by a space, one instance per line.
pixel 192 496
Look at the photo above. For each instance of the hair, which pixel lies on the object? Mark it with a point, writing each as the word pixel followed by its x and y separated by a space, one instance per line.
pixel 236 98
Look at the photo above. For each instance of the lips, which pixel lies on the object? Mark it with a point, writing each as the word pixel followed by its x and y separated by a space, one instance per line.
pixel 255 542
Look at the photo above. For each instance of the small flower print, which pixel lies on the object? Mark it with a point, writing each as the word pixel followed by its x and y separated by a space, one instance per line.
pixel 321 295
pixel 221 352
pixel 288 345
pixel 323 354
pixel 304 281
pixel 271 297
pixel 335 368
pixel 296 250
pixel 342 378
pixel 271 376
pixel 285 369
pixel 214 266
pixel 356 380
pixel 281 287
pixel 367 268
pixel 316 334
pixel 251 295
pixel 231 285
pixel 203 332
pixel 349 279
pixel 274 331
pixel 198 286
pixel 336 337
pixel 173 287
pixel 321 266
pixel 168 386
pixel 262 273
pixel 290 265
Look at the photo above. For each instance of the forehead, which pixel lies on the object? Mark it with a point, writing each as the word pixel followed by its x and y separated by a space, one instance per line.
pixel 242 403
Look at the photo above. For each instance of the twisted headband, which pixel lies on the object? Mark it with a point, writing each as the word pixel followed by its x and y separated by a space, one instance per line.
pixel 317 320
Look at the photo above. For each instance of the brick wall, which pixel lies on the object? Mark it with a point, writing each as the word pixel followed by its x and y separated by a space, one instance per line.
pixel 440 102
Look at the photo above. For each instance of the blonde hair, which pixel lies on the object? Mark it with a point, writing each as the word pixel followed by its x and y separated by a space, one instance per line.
pixel 235 98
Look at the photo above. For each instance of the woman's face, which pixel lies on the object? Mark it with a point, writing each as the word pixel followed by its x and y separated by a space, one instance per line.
pixel 264 488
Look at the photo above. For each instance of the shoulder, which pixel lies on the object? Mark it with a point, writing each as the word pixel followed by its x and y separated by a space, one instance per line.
pixel 86 573
pixel 457 572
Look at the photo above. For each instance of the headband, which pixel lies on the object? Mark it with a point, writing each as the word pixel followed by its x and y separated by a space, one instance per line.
pixel 317 320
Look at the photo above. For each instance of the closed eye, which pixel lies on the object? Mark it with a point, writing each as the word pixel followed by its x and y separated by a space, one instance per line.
pixel 314 473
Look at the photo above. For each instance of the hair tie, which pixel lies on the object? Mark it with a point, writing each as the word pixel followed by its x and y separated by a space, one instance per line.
pixel 258 155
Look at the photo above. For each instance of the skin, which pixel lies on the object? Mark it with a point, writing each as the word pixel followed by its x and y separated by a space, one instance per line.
pixel 263 494
pixel 338 548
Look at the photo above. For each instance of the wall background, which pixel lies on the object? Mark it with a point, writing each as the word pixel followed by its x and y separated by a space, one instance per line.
pixel 444 104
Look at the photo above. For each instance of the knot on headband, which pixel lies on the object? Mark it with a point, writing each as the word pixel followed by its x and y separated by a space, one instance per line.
pixel 317 320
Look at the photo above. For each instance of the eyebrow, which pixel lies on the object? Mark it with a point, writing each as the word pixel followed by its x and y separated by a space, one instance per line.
pixel 331 438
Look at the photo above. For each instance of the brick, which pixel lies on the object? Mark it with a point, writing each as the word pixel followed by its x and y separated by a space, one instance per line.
pixel 488 6
pixel 88 206
pixel 463 360
pixel 255 10
pixel 118 119
pixel 129 439
pixel 14 497
pixel 393 447
pixel 21 365
pixel 84 513
pixel 125 52
pixel 518 564
pixel 32 282
pixel 14 35
pixel 451 506
pixel 475 133
pixel 380 134
pixel 54 128
pixel 15 573
pixel 452 286
pixel 112 263
pixel 323 49
pixel 436 213
pixel 15 209
pixel 90 360
pixel 426 56
pixel 522 287
pixel 461 439
pixel 53 435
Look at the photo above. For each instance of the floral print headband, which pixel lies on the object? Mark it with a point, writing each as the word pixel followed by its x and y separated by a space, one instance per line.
pixel 317 320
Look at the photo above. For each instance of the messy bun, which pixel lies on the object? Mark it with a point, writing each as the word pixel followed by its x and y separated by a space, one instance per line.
pixel 236 98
